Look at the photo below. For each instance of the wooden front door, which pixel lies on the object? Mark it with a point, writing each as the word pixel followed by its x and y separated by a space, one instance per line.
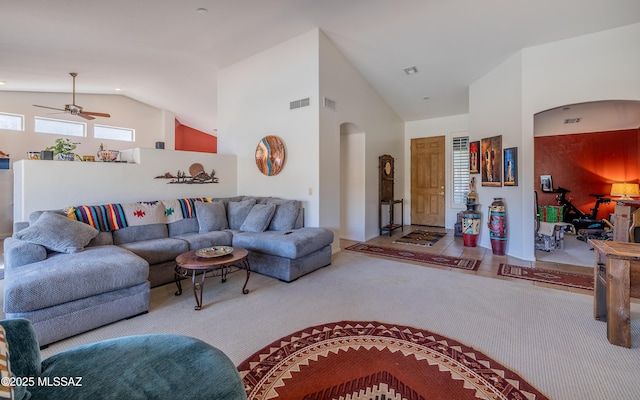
pixel 427 181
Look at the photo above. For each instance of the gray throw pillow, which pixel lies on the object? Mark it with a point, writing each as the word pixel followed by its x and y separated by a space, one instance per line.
pixel 286 214
pixel 237 211
pixel 211 216
pixel 58 233
pixel 258 218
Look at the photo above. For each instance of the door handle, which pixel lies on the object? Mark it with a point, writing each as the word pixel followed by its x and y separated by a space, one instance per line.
pixel 441 193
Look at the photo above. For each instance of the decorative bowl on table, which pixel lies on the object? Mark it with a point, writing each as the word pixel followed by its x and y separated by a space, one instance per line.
pixel 214 251
pixel 108 155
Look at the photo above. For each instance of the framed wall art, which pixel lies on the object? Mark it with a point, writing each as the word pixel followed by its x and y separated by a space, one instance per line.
pixel 546 183
pixel 491 161
pixel 474 157
pixel 511 166
pixel 270 154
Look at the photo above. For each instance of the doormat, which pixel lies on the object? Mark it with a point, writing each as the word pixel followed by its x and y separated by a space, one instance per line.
pixel 418 256
pixel 373 360
pixel 420 237
pixel 547 276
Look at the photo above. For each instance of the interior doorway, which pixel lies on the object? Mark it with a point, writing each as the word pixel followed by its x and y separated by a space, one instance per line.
pixel 428 181
pixel 352 181
pixel 585 148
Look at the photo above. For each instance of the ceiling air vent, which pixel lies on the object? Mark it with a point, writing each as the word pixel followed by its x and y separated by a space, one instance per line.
pixel 298 103
pixel 572 120
pixel 330 104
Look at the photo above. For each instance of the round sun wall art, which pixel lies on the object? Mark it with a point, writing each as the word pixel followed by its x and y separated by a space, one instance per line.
pixel 270 155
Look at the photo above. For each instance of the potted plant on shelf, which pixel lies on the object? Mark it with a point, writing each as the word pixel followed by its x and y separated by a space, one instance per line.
pixel 63 149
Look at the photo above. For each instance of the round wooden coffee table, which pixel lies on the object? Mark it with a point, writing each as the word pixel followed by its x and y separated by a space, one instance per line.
pixel 190 263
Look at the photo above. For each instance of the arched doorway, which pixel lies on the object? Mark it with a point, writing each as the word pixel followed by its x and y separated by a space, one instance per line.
pixel 585 148
pixel 352 182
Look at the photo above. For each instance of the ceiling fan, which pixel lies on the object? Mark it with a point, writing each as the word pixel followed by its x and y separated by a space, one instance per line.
pixel 75 109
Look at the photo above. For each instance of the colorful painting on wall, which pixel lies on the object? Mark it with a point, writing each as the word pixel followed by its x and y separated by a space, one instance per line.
pixel 474 157
pixel 270 155
pixel 511 166
pixel 491 161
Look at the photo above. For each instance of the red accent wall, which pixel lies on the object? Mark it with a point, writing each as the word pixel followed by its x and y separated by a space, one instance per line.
pixel 190 139
pixel 587 163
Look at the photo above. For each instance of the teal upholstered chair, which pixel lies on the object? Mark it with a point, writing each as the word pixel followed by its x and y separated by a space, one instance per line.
pixel 134 367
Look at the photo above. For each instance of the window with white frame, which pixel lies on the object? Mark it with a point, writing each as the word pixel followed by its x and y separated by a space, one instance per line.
pixel 59 127
pixel 11 122
pixel 113 133
pixel 460 169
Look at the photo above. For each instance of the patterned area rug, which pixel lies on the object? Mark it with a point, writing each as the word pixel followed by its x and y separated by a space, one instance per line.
pixel 547 276
pixel 428 258
pixel 373 360
pixel 421 237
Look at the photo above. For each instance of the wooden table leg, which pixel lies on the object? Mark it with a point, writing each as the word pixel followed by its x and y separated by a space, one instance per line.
pixel 600 290
pixel 618 303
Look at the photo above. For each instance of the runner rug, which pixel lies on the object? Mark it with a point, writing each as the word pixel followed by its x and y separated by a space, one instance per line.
pixel 373 360
pixel 428 258
pixel 547 276
pixel 421 237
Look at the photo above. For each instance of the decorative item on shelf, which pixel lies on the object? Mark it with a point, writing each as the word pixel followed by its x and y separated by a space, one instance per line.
pixel 88 158
pixel 498 226
pixel 4 160
pixel 625 190
pixel 62 150
pixel 197 175
pixel 105 155
pixel 471 217
pixel 33 155
pixel 270 154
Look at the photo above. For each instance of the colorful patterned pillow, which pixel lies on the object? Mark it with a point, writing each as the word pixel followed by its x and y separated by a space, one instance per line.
pixel 144 213
pixel 6 392
pixel 105 218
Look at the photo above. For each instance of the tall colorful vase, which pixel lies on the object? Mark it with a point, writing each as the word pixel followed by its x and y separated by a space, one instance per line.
pixel 470 227
pixel 498 226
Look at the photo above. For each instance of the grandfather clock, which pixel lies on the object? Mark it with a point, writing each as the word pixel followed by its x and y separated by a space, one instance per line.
pixel 386 196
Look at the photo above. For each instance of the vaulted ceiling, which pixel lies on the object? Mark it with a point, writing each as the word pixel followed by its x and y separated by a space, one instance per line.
pixel 167 53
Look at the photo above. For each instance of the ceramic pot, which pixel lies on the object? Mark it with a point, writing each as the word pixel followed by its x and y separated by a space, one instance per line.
pixel 470 227
pixel 66 157
pixel 498 226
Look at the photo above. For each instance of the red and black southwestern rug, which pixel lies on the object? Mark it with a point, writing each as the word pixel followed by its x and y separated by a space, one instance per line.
pixel 547 276
pixel 373 360
pixel 428 258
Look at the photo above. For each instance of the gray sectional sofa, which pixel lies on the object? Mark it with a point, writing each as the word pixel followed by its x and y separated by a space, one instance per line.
pixel 73 270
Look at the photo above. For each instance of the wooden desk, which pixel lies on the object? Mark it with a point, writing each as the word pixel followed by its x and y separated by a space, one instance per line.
pixel 616 280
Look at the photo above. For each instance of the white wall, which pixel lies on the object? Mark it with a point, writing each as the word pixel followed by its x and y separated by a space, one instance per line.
pixel 47 185
pixel 357 103
pixel 495 104
pixel 352 190
pixel 150 124
pixel 253 101
pixel 449 127
pixel 599 66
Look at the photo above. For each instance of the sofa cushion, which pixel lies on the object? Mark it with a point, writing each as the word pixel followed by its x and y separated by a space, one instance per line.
pixel 290 244
pixel 58 233
pixel 183 226
pixel 62 278
pixel 285 215
pixel 237 211
pixel 142 232
pixel 201 240
pixel 258 218
pixel 157 251
pixel 211 216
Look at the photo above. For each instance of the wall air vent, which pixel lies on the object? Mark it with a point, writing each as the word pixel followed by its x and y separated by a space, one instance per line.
pixel 298 103
pixel 572 120
pixel 330 104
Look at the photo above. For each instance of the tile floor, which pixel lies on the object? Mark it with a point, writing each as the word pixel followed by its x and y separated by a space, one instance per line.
pixel 453 246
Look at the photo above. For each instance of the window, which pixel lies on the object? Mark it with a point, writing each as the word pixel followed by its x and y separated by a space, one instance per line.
pixel 460 169
pixel 113 132
pixel 12 122
pixel 60 127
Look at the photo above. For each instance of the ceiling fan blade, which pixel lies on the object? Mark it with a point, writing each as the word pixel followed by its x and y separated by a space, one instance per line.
pixel 85 115
pixel 97 114
pixel 52 108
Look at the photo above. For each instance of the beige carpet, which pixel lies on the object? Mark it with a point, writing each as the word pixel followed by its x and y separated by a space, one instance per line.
pixel 547 336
